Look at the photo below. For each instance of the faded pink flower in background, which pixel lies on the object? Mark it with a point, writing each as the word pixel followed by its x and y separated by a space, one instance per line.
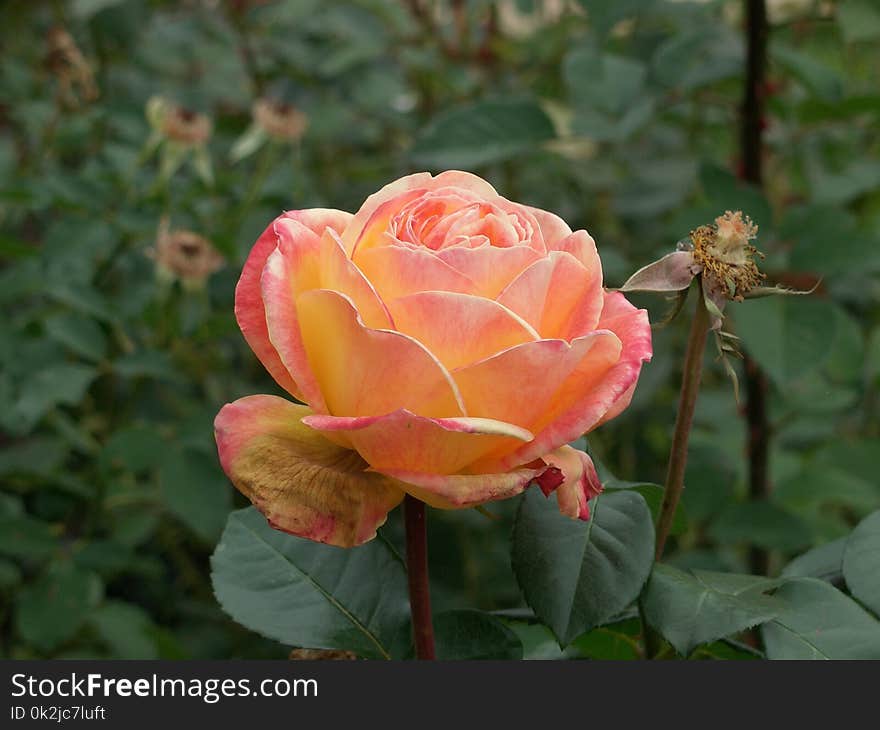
pixel 448 343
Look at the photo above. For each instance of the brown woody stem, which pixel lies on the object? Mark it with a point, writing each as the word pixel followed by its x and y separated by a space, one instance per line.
pixel 417 572
pixel 751 140
pixel 690 387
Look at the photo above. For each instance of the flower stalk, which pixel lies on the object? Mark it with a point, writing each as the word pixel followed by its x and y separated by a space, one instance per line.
pixel 417 573
pixel 752 124
pixel 690 386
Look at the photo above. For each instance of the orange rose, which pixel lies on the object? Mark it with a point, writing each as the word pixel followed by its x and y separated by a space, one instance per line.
pixel 448 342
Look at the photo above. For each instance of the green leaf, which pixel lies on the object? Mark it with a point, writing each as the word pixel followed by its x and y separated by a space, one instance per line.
pixel 10 575
pixel 84 9
pixel 760 523
pixel 108 558
pixel 824 562
pixel 81 334
pixel 83 298
pixel 13 248
pixel 615 641
pixel 126 629
pixel 812 110
pixel 538 642
pixel 695 58
pixel 148 364
pixel 788 336
pixel 477 134
pixel 604 14
pixel 253 138
pixel 820 622
pixel 309 595
pixel 825 239
pixel 133 524
pixel 859 20
pixel 35 455
pixel 653 496
pixel 55 385
pixel 824 81
pixel 468 634
pixel 51 611
pixel 817 486
pixel 856 456
pixel 840 187
pixel 609 83
pixel 576 575
pixel 24 537
pixel 196 491
pixel 726 650
pixel 693 608
pixel 135 448
pixel 861 562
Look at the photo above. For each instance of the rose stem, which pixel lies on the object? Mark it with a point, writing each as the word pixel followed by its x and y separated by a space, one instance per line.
pixel 690 386
pixel 751 142
pixel 417 572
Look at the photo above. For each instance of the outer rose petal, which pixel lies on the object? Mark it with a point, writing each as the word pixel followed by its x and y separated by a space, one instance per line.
pixel 340 274
pixel 293 266
pixel 320 219
pixel 249 310
pixel 570 472
pixel 302 483
pixel 557 295
pixel 251 314
pixel 459 328
pixel 519 385
pixel 403 440
pixel 552 226
pixel 622 317
pixel 581 482
pixel 582 404
pixel 465 490
pixel 619 406
pixel 370 372
pixel 302 262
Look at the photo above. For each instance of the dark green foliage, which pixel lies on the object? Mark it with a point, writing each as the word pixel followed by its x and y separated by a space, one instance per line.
pixel 619 116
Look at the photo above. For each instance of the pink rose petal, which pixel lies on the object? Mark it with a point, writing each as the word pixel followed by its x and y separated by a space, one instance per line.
pixel 300 481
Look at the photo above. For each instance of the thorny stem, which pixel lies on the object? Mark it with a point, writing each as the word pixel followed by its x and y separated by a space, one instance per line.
pixel 417 573
pixel 690 386
pixel 752 124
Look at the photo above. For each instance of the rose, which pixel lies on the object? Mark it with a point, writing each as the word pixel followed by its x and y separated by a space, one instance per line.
pixel 448 342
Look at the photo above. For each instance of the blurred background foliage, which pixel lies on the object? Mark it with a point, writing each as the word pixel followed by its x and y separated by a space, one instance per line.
pixel 145 144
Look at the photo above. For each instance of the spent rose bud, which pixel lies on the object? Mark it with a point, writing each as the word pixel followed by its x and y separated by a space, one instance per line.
pixel 184 255
pixel 180 135
pixel 75 76
pixel 180 125
pixel 272 121
pixel 722 257
pixel 279 120
pixel 726 257
pixel 448 343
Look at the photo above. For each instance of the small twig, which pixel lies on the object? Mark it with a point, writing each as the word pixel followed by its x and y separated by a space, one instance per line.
pixel 690 386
